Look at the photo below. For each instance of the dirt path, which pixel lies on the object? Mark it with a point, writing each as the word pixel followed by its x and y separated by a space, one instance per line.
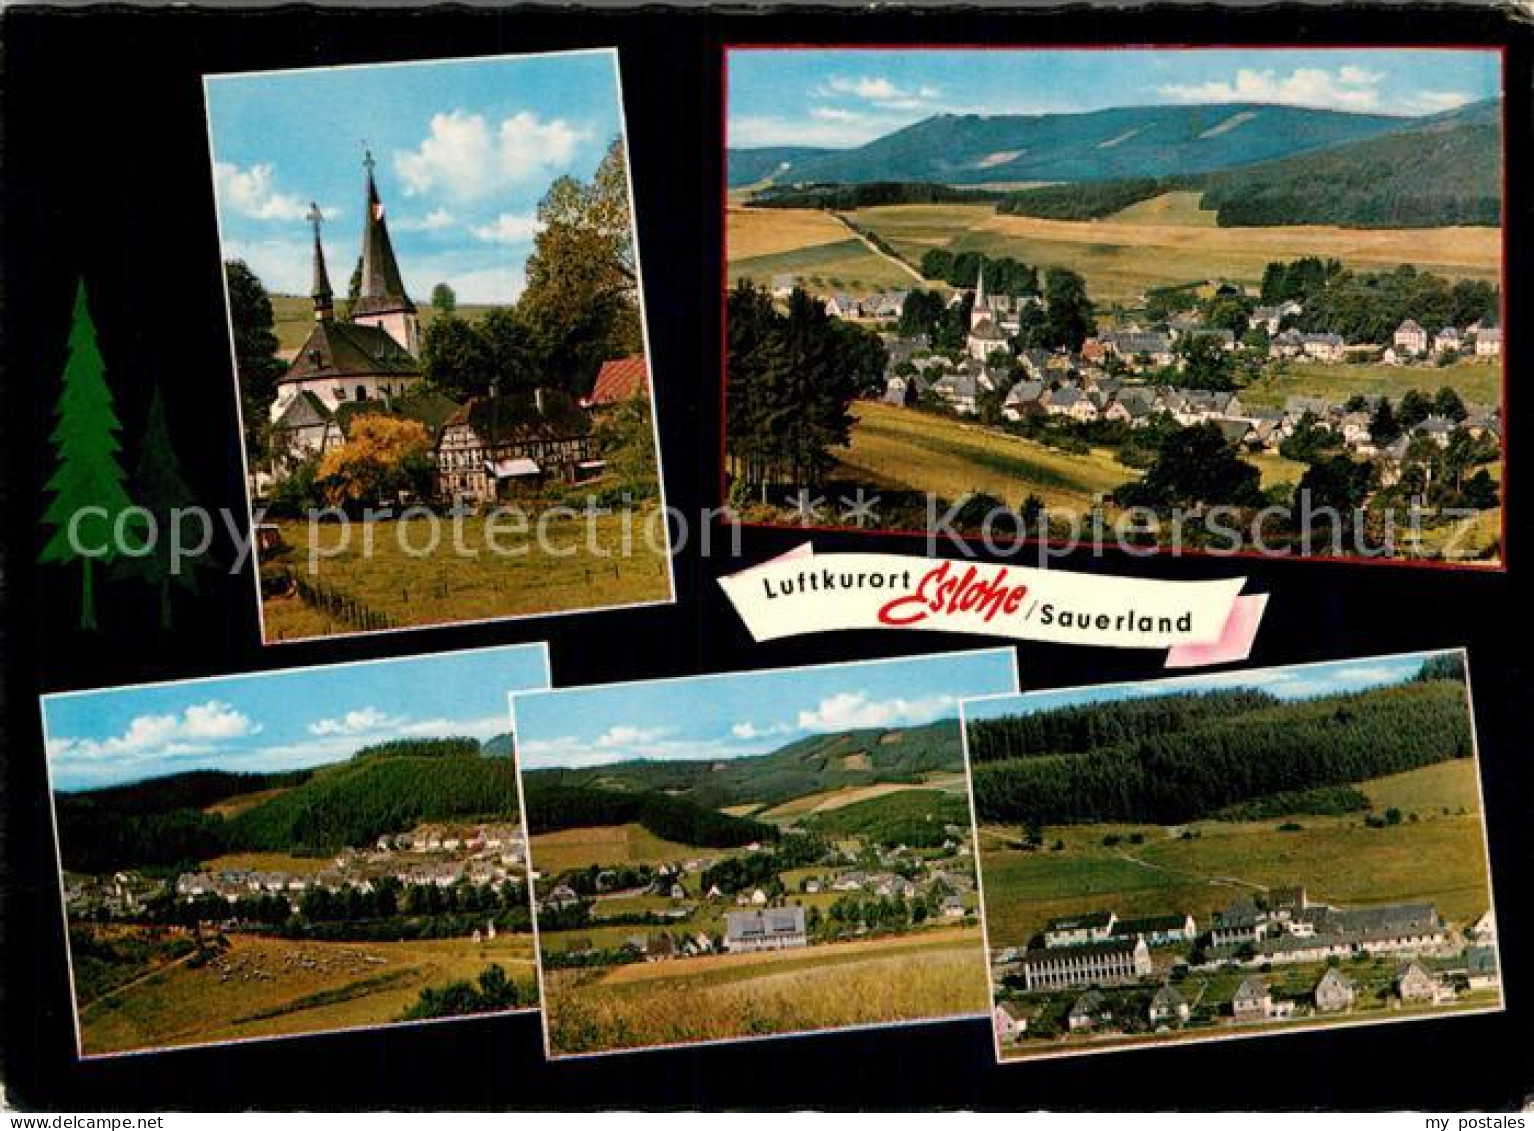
pixel 1197 877
pixel 894 260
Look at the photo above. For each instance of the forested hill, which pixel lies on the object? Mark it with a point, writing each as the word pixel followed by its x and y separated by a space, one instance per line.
pixel 551 807
pixel 810 765
pixel 1432 172
pixel 1439 176
pixel 385 788
pixel 1208 760
pixel 1130 141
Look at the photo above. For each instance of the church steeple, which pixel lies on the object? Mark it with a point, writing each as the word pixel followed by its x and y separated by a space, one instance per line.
pixel 320 287
pixel 381 298
pixel 978 312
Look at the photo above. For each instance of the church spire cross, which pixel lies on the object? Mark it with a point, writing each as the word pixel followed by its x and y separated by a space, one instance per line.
pixel 367 161
pixel 315 217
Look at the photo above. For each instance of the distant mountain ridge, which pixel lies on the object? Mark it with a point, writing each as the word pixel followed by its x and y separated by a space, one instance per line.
pixel 808 765
pixel 1112 144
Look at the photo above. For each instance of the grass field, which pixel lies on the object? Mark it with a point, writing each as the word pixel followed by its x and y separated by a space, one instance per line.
pixel 294 318
pixel 446 586
pixel 923 452
pixel 1275 468
pixel 234 806
pixel 268 861
pixel 809 243
pixel 1164 242
pixel 285 987
pixel 926 975
pixel 604 844
pixel 1476 382
pixel 1431 856
pixel 834 799
pixel 1181 208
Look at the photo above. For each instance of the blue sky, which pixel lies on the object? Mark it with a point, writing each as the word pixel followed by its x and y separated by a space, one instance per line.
pixel 282 720
pixel 1298 681
pixel 465 150
pixel 727 716
pixel 836 98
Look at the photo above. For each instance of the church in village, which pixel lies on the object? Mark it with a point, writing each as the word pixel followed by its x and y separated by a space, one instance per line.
pixel 368 362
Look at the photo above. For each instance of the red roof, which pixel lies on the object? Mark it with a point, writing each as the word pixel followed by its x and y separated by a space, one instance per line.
pixel 618 380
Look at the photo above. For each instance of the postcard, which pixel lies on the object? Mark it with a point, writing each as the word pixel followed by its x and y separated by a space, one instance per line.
pixel 283 853
pixel 1157 299
pixel 438 333
pixel 1232 855
pixel 754 854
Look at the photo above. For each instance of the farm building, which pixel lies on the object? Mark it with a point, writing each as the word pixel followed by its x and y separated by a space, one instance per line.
pixel 776 928
pixel 1158 930
pixel 1009 1021
pixel 1090 1010
pixel 1415 984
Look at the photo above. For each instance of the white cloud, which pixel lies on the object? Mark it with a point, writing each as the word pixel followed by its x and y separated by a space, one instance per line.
pixel 197 728
pixel 363 721
pixel 253 193
pixel 282 265
pixel 1438 101
pixel 509 227
pixel 468 157
pixel 1346 88
pixel 620 736
pixel 752 131
pixel 434 221
pixel 850 710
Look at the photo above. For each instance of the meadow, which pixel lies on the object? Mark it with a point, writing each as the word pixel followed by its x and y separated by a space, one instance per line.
pixel 584 567
pixel 930 974
pixel 293 318
pixel 809 243
pixel 1476 382
pixel 274 987
pixel 923 452
pixel 1165 242
pixel 569 849
pixel 1435 854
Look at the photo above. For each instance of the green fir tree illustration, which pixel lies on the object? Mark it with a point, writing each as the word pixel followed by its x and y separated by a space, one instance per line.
pixel 87 485
pixel 157 485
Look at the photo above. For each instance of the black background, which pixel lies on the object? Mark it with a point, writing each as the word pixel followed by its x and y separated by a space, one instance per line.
pixel 107 175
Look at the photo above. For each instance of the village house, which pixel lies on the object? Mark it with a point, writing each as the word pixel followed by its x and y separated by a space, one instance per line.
pixel 1009 1020
pixel 1090 1011
pixel 1072 403
pixel 1334 992
pixel 1481 968
pixel 619 380
pixel 1448 340
pixel 493 442
pixel 1026 398
pixel 1322 347
pixel 1169 1007
pixel 1488 342
pixel 1252 1001
pixel 1415 985
pixel 1410 339
pixel 778 928
pixel 1085 964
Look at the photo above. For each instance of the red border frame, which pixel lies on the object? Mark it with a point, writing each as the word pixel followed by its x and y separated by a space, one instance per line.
pixel 1500 49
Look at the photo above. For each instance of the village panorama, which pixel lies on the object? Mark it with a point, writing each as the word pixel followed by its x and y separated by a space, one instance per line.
pixel 1138 314
pixel 779 877
pixel 1308 852
pixel 385 882
pixel 530 392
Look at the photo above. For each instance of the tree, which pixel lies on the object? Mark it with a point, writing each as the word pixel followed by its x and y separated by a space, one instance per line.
pixel 1383 426
pixel 1450 405
pixel 1195 465
pixel 443 299
pixel 626 438
pixel 1416 407
pixel 382 455
pixel 1340 483
pixel 454 358
pixel 255 350
pixel 1206 365
pixel 160 489
pixel 1069 312
pixel 581 302
pixel 87 486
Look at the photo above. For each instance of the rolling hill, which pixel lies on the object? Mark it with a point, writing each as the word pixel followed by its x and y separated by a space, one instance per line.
pixel 810 765
pixel 1136 141
pixel 383 788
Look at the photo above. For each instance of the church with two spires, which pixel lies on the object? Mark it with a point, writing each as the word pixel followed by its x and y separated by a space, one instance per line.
pixel 368 362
